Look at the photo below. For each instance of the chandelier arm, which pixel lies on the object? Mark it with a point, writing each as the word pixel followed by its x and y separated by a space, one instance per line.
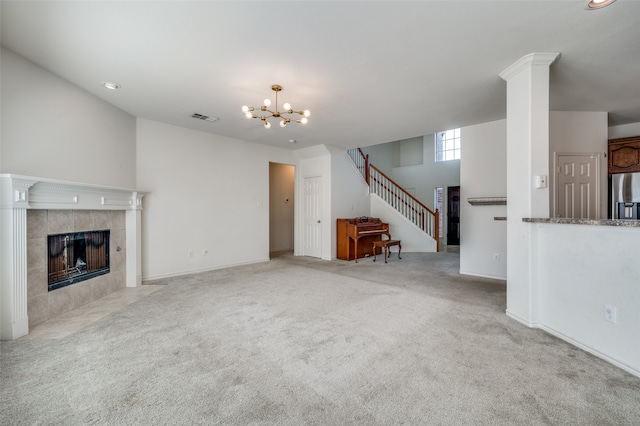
pixel 273 113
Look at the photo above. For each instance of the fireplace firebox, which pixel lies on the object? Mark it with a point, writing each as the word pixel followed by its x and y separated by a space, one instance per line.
pixel 77 256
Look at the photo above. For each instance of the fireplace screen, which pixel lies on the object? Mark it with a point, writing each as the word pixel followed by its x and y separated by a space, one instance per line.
pixel 77 256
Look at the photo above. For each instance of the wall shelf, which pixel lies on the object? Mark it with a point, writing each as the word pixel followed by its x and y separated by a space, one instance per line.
pixel 487 201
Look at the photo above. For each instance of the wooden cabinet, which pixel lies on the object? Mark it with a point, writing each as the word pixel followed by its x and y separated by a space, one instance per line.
pixel 624 155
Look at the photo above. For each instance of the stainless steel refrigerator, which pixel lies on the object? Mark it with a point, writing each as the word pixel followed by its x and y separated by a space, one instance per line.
pixel 624 195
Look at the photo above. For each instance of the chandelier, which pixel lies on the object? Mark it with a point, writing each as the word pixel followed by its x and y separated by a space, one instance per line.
pixel 248 111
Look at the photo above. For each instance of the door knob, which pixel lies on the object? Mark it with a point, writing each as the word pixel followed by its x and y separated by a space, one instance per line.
pixel 318 221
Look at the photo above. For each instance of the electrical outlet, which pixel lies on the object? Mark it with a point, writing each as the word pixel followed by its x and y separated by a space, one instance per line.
pixel 189 253
pixel 496 257
pixel 611 313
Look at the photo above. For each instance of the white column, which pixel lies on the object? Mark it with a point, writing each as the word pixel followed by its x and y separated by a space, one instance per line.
pixel 527 157
pixel 134 241
pixel 14 201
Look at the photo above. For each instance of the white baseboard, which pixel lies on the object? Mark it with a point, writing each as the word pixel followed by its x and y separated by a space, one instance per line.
pixel 522 320
pixel 580 345
pixel 591 350
pixel 198 271
pixel 493 277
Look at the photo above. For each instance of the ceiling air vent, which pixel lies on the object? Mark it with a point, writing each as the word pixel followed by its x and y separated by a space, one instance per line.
pixel 204 117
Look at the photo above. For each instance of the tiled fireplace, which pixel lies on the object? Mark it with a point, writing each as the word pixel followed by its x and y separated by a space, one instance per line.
pixel 44 304
pixel 32 209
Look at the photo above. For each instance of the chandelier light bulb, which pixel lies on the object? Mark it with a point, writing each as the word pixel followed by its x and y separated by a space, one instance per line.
pixel 283 123
pixel 245 109
pixel 306 113
pixel 287 106
pixel 248 114
pixel 303 120
pixel 267 102
pixel 267 125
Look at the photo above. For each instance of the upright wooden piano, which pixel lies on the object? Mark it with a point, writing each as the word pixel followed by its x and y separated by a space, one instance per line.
pixel 355 236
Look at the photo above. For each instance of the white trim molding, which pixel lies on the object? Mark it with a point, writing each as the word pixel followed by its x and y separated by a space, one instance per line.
pixel 527 61
pixel 20 193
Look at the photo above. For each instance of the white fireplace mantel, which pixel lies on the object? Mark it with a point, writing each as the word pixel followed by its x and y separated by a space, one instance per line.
pixel 20 193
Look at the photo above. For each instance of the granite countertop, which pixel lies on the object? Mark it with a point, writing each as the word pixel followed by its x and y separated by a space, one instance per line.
pixel 600 222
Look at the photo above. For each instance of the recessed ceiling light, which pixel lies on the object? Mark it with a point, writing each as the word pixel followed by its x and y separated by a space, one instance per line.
pixel 111 85
pixel 598 4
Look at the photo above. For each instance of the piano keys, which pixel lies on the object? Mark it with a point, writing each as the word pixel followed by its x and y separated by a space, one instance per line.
pixel 355 236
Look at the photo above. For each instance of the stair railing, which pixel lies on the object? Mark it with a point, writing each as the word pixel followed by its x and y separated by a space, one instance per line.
pixel 405 203
pixel 361 162
pixel 397 197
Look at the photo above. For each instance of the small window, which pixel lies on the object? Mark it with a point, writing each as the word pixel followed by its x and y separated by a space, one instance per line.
pixel 448 145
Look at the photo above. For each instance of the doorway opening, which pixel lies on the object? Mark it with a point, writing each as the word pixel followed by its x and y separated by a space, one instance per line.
pixel 453 215
pixel 281 208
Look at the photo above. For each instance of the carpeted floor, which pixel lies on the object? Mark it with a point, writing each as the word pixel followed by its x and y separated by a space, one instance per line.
pixel 298 341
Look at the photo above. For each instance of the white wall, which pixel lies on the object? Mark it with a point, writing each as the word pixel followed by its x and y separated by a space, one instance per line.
pixel 209 194
pixel 574 133
pixel 483 174
pixel 53 129
pixel 281 206
pixel 624 131
pixel 411 152
pixel 384 156
pixel 582 268
pixel 349 192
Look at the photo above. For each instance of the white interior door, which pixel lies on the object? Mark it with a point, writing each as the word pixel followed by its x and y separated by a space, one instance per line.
pixel 577 186
pixel 312 240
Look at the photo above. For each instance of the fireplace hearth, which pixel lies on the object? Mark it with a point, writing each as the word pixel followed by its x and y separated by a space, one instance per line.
pixel 77 256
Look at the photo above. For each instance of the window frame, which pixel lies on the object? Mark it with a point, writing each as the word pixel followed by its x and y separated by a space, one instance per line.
pixel 447 145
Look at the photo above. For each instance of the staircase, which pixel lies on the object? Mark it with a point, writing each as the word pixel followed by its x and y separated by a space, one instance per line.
pixel 394 195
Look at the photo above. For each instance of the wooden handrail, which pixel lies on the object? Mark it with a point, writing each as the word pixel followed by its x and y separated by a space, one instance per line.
pixel 408 203
pixel 396 184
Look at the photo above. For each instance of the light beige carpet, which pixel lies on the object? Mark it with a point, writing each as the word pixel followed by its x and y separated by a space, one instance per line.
pixel 299 341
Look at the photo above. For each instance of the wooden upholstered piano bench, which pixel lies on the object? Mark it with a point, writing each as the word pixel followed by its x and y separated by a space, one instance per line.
pixel 385 244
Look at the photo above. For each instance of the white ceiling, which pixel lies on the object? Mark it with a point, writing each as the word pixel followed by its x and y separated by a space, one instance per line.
pixel 370 72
